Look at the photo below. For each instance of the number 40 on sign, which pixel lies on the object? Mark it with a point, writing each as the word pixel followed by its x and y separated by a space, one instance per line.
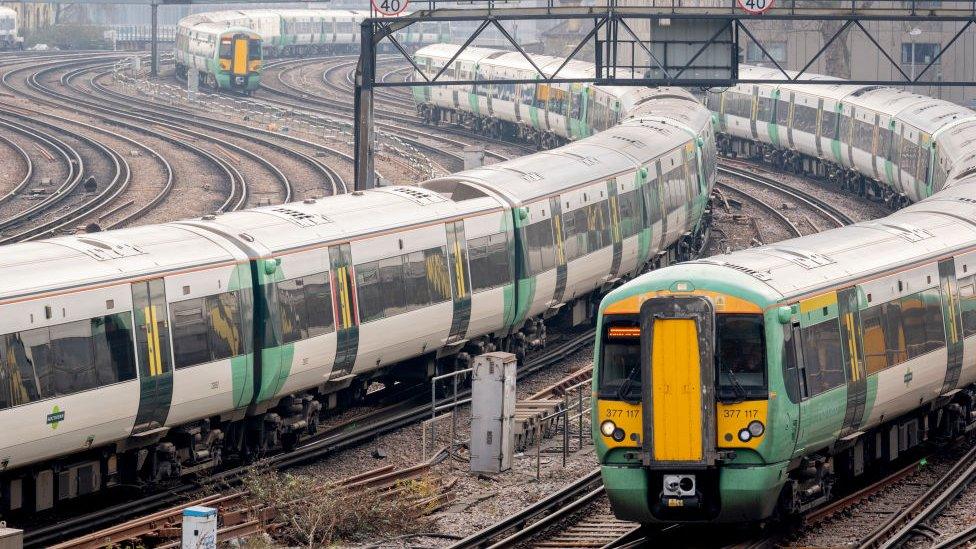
pixel 396 7
pixel 755 7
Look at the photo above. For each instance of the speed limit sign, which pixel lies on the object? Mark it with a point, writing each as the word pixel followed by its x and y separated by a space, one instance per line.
pixel 396 7
pixel 755 7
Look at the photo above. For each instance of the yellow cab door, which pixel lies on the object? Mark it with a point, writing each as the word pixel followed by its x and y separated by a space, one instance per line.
pixel 240 55
pixel 677 339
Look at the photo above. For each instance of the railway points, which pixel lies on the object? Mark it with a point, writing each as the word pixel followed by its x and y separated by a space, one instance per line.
pixel 323 309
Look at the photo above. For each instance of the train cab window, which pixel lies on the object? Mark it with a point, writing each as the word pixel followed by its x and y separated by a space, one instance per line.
pixel 225 49
pixel 967 302
pixel 620 361
pixel 822 358
pixel 740 356
pixel 254 49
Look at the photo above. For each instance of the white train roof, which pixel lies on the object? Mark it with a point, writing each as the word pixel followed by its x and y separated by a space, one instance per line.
pixel 619 149
pixel 334 219
pixel 88 260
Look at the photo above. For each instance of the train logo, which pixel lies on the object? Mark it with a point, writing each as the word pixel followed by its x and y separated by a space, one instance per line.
pixel 55 417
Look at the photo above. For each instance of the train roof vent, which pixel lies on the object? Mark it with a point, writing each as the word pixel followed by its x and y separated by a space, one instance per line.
pixel 910 233
pixel 103 249
pixel 760 275
pixel 636 142
pixel 966 199
pixel 419 195
pixel 587 160
pixel 300 218
pixel 803 258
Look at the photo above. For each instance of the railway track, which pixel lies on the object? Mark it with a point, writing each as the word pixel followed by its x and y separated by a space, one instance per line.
pixel 915 518
pixel 330 440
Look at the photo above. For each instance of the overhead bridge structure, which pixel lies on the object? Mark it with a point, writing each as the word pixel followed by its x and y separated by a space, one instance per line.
pixel 688 43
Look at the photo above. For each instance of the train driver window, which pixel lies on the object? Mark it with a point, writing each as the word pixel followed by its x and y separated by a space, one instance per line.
pixel 740 356
pixel 821 356
pixel 620 364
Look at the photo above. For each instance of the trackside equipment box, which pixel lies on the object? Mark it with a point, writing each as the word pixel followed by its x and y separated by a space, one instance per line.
pixel 493 412
pixel 199 528
pixel 11 538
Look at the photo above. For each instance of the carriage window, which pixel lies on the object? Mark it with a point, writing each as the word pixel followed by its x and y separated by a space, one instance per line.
pixel 630 214
pixel 740 351
pixel 765 113
pixel 401 284
pixel 191 345
pixel 876 356
pixel 967 299
pixel 828 124
pixel 112 340
pixel 863 136
pixel 224 325
pixel 489 262
pixel 782 113
pixel 620 363
pixel 541 253
pixel 804 119
pixel 821 357
pixel 73 360
pixel 318 303
pixel 909 156
pixel 884 142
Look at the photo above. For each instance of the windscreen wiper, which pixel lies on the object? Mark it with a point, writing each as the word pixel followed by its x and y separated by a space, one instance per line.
pixel 624 387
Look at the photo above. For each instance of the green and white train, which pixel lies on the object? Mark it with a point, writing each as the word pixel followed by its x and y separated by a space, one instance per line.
pixel 138 355
pixel 744 386
pixel 225 57
pixel 547 114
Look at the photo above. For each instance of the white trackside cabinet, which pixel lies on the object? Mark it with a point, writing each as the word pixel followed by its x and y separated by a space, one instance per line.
pixel 199 528
pixel 493 412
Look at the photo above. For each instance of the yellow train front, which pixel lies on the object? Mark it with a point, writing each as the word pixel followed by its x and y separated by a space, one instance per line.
pixel 685 418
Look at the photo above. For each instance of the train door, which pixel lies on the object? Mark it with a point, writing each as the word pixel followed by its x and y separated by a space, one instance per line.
pixel 658 194
pixel 239 59
pixel 754 112
pixel 678 369
pixel 848 133
pixel 952 317
pixel 875 143
pixel 789 121
pixel 852 351
pixel 817 131
pixel 154 354
pixel 457 250
pixel 343 279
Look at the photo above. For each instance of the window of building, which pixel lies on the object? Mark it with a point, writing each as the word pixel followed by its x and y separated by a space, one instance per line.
pixel 924 52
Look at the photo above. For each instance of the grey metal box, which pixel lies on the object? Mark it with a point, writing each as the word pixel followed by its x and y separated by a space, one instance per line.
pixel 11 538
pixel 493 412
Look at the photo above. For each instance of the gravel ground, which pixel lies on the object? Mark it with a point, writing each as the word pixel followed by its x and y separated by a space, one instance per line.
pixel 12 165
pixel 851 526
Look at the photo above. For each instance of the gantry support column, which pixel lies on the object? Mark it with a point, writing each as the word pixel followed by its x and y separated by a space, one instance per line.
pixel 363 109
pixel 154 42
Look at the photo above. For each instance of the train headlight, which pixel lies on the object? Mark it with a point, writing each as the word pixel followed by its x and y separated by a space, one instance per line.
pixel 607 428
pixel 745 435
pixel 756 428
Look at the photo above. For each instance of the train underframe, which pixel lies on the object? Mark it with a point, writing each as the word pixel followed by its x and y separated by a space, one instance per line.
pixel 489 126
pixel 847 179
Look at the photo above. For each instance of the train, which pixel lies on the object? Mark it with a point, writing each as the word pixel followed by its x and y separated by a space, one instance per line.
pixel 545 114
pixel 225 57
pixel 747 387
pixel 9 37
pixel 289 32
pixel 137 356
